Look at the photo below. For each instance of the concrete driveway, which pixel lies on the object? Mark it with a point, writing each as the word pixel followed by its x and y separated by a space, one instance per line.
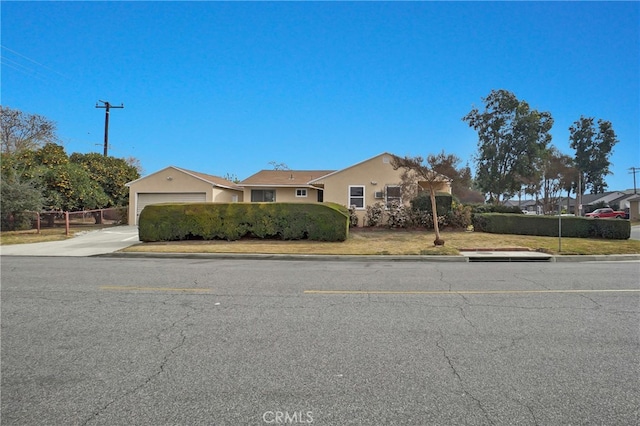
pixel 635 232
pixel 102 241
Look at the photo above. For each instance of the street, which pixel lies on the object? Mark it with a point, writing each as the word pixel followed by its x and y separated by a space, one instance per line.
pixel 106 341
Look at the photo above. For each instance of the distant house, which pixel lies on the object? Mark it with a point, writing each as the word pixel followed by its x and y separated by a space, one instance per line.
pixel 176 185
pixel 363 184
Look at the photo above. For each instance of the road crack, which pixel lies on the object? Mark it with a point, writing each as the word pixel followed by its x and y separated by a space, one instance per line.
pixel 157 372
pixel 465 391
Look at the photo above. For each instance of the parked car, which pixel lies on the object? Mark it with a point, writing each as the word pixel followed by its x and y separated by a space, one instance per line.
pixel 606 213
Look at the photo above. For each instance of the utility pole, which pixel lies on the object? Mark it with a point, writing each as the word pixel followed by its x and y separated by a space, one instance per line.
pixel 633 171
pixel 107 106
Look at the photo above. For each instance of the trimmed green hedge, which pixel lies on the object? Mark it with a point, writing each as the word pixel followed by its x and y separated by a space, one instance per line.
pixel 579 227
pixel 232 221
pixel 423 202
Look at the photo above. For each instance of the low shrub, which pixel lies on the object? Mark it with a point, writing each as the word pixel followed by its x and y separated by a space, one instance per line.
pixel 374 214
pixel 232 221
pixel 578 227
pixel 422 202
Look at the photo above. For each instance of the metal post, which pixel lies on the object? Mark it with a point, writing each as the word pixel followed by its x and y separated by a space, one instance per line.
pixel 559 226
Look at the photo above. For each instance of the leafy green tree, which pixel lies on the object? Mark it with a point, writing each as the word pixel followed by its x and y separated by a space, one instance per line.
pixel 110 173
pixel 511 139
pixel 557 175
pixel 20 131
pixel 69 187
pixel 17 198
pixel 461 178
pixel 593 149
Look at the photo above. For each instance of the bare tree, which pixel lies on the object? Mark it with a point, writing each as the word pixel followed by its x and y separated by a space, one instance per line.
pixel 415 172
pixel 279 166
pixel 20 131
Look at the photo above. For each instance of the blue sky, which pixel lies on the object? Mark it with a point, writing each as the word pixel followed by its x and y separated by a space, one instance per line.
pixel 228 87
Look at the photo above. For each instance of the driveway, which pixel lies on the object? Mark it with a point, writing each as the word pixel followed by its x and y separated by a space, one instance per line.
pixel 102 241
pixel 635 232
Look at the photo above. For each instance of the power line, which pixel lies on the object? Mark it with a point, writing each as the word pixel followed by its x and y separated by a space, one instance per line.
pixel 31 60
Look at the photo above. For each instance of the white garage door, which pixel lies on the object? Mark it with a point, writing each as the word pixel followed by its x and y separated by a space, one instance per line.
pixel 144 199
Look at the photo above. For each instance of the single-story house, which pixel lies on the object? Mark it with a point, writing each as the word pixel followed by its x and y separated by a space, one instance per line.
pixel 360 185
pixel 176 185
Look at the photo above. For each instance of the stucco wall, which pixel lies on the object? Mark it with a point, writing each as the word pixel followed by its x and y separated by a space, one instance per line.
pixel 286 195
pixel 170 180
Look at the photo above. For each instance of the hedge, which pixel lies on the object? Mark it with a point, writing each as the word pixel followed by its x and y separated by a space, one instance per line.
pixel 232 221
pixel 422 202
pixel 579 227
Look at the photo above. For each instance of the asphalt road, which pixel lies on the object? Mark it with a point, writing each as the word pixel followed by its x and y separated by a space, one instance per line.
pixel 103 341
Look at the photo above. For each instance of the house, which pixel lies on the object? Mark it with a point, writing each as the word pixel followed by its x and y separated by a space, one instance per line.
pixel 360 185
pixel 176 185
pixel 283 186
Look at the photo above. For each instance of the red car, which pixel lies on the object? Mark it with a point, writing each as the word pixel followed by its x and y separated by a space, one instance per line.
pixel 606 213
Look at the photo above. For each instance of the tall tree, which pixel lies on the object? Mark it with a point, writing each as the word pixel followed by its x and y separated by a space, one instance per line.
pixel 17 197
pixel 461 178
pixel 557 175
pixel 414 171
pixel 110 173
pixel 593 149
pixel 511 139
pixel 20 131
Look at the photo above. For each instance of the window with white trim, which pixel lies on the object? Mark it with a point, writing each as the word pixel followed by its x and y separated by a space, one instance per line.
pixel 393 194
pixel 301 192
pixel 356 196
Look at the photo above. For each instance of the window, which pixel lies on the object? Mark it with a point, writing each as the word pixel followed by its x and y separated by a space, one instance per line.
pixel 301 192
pixel 263 195
pixel 356 196
pixel 393 195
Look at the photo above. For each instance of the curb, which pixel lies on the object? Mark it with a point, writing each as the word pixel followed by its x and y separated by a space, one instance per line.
pixel 365 258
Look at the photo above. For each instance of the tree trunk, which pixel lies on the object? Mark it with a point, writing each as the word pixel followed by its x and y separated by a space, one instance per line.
pixel 434 212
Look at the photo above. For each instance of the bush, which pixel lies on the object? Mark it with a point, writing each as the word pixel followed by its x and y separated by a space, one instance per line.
pixel 494 208
pixel 374 214
pixel 353 217
pixel 423 202
pixel 398 215
pixel 578 227
pixel 459 216
pixel 232 221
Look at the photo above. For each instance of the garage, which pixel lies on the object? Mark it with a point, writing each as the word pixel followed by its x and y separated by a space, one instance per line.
pixel 144 199
pixel 176 185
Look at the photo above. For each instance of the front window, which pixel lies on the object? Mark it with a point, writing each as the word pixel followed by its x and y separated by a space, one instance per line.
pixel 356 196
pixel 263 195
pixel 301 192
pixel 393 195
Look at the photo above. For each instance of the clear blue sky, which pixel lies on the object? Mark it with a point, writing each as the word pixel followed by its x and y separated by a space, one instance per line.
pixel 227 87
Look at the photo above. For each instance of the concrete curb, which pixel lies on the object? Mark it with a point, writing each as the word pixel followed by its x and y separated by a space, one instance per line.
pixel 477 257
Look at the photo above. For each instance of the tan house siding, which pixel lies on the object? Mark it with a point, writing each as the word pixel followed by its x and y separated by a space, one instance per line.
pixel 174 181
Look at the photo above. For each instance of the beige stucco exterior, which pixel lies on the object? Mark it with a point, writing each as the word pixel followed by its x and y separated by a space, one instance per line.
pixel 179 185
pixel 374 175
pixel 287 194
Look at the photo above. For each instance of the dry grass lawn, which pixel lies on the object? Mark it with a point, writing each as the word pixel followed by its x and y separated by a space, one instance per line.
pixel 45 235
pixel 397 242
